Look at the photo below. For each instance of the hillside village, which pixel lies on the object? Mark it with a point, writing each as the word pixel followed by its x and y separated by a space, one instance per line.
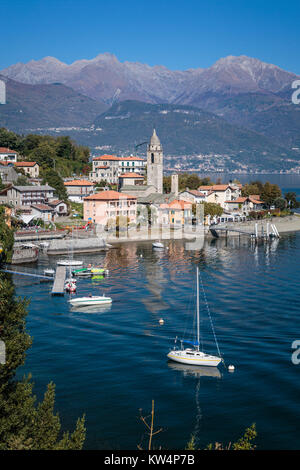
pixel 117 190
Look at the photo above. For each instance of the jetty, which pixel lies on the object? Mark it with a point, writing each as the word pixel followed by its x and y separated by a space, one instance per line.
pixel 39 276
pixel 59 281
pixel 268 233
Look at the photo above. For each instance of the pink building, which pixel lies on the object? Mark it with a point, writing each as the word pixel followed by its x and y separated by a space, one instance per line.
pixel 106 205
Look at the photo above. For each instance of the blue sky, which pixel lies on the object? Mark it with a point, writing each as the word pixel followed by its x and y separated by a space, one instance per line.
pixel 178 34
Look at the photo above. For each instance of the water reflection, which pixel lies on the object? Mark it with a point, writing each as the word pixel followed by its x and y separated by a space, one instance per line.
pixel 195 371
pixel 91 309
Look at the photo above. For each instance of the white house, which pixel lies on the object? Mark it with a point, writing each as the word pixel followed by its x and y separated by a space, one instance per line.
pixel 43 212
pixel 8 155
pixel 79 189
pixel 192 195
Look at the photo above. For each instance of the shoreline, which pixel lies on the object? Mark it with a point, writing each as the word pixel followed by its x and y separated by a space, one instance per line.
pixel 286 224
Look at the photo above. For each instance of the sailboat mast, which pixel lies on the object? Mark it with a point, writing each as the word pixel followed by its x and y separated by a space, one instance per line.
pixel 198 315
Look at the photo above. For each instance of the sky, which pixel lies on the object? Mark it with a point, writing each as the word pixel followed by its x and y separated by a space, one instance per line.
pixel 179 34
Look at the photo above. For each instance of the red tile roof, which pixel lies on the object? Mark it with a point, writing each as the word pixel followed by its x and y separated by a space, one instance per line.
pixel 107 157
pixel 215 187
pixel 6 150
pixel 24 164
pixel 132 158
pixel 55 202
pixel 108 195
pixel 176 204
pixel 42 207
pixel 131 175
pixel 114 157
pixel 78 183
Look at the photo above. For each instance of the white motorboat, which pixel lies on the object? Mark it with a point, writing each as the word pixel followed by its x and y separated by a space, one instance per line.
pixel 157 244
pixel 194 356
pixel 90 300
pixel 49 272
pixel 69 262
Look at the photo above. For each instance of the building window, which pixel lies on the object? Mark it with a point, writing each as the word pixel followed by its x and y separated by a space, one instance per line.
pixel 152 157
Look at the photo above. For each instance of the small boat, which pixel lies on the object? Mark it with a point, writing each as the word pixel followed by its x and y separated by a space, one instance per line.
pixel 157 244
pixel 194 356
pixel 90 300
pixel 69 262
pixel 70 285
pixel 49 272
pixel 83 272
pixel 97 270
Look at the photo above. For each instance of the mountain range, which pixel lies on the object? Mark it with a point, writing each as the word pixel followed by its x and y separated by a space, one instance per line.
pixel 252 96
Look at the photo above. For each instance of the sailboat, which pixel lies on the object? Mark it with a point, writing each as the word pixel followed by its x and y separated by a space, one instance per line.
pixel 194 356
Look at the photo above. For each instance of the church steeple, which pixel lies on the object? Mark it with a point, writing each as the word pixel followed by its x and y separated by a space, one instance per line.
pixel 155 163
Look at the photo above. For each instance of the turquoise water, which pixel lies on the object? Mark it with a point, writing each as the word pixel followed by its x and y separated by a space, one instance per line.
pixel 111 364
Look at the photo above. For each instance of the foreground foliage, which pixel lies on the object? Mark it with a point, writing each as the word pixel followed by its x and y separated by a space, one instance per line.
pixel 24 423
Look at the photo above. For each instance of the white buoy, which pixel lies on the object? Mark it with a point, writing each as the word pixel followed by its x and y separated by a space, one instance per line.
pixel 161 321
pixel 231 368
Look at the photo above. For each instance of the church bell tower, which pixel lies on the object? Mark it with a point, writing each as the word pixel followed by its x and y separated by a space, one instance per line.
pixel 155 163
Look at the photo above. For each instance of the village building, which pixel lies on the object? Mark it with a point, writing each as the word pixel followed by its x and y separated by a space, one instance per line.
pixel 99 208
pixel 175 213
pixel 245 205
pixel 130 179
pixel 219 193
pixel 32 169
pixel 43 212
pixel 192 195
pixel 108 168
pixel 7 173
pixel 132 165
pixel 60 207
pixel 20 196
pixel 77 190
pixel 8 155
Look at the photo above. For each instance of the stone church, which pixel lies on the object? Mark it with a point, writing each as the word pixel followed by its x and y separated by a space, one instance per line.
pixel 152 192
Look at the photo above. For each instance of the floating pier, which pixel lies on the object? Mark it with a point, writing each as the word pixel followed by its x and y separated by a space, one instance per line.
pixel 59 281
pixel 254 235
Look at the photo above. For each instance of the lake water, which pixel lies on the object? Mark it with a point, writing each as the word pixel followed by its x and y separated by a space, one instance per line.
pixel 110 364
pixel 286 182
pixel 113 363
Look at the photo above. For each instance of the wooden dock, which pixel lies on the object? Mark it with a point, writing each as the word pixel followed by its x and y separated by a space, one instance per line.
pixel 59 281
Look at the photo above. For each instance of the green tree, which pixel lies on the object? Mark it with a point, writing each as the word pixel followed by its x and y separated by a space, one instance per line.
pixel 44 154
pixel 211 208
pixel 270 193
pixel 280 203
pixel 291 199
pixel 6 238
pixel 52 178
pixel 25 425
pixel 22 181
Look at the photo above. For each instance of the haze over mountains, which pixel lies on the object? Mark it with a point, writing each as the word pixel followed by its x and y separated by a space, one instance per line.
pixel 243 91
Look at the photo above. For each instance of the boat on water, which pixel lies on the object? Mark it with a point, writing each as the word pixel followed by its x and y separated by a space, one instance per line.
pixel 89 271
pixel 70 285
pixel 158 244
pixel 193 355
pixel 90 300
pixel 69 262
pixel 49 272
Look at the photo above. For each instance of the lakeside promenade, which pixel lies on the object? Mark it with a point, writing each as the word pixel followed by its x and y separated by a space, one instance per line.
pixel 283 224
